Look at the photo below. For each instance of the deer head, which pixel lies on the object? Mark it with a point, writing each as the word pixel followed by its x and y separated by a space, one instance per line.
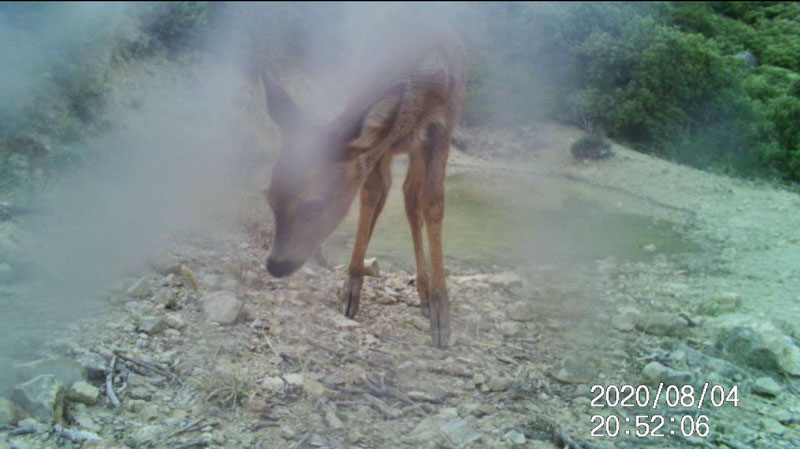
pixel 319 171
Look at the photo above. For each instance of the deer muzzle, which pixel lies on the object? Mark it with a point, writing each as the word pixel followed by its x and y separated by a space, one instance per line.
pixel 282 267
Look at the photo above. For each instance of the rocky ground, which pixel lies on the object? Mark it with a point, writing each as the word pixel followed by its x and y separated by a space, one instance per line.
pixel 208 351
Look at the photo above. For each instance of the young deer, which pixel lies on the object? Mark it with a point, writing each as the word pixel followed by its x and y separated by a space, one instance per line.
pixel 411 104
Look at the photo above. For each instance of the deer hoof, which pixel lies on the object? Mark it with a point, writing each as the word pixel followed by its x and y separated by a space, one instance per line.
pixel 440 318
pixel 351 296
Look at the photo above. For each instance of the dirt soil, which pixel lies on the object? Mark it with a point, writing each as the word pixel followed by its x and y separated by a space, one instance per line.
pixel 530 339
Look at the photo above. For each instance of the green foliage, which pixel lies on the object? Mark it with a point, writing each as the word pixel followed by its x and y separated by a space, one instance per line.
pixel 591 147
pixel 669 78
pixel 177 25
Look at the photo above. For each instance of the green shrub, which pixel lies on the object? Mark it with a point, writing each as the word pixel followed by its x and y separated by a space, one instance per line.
pixel 591 147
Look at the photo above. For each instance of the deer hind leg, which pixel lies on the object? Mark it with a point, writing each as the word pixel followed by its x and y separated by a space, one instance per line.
pixel 412 191
pixel 437 146
pixel 373 197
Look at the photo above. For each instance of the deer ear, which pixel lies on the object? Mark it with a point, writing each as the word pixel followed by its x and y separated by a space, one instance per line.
pixel 375 125
pixel 281 108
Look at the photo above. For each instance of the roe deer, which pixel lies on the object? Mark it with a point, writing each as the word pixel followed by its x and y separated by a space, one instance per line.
pixel 410 103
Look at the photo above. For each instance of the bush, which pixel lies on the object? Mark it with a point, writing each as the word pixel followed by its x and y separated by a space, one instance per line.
pixel 591 147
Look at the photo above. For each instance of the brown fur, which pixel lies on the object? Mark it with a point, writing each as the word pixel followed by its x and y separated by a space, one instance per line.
pixel 410 104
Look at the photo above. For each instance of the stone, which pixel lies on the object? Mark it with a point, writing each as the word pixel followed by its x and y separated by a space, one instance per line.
pixel 83 392
pixel 505 279
pixel 654 373
pixel 522 311
pixel 317 440
pixel 287 433
pixel 772 426
pixel 140 289
pixel 500 383
pixel 33 425
pixel 273 383
pixel 81 416
pixel 650 248
pixel 167 298
pixel 625 320
pixel 94 364
pixel 576 370
pixel 515 437
pixel 342 321
pixel 147 434
pixel 65 370
pixel 663 324
pixel 479 378
pixel 294 379
pixel 509 328
pixel 758 344
pixel 42 397
pixel 371 267
pixel 459 432
pixel 141 394
pixel 8 413
pixel 222 307
pixel 175 321
pixel 333 420
pixel 766 386
pixel 680 377
pixel 258 323
pixel 386 300
pixel 152 325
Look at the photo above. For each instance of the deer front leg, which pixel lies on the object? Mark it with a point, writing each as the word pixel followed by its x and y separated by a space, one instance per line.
pixel 438 145
pixel 373 197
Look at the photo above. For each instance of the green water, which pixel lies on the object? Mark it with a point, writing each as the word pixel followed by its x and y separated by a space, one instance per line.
pixel 513 219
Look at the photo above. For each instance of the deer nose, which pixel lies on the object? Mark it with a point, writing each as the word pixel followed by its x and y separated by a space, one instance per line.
pixel 281 268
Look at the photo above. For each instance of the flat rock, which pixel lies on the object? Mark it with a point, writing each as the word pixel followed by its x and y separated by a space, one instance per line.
pixel 80 414
pixel 83 392
pixel 576 370
pixel 273 383
pixel 500 383
pixel 654 373
pixel 459 432
pixel 662 324
pixel 175 321
pixel 625 319
pixel 515 437
pixel 766 386
pixel 94 364
pixel 42 397
pixel 152 325
pixel 222 307
pixel 522 311
pixel 333 420
pixel 140 289
pixel 505 279
pixel 757 343
pixel 65 370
